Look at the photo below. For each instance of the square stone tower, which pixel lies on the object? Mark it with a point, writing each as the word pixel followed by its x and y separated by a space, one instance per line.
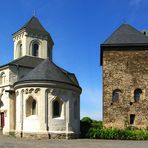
pixel 124 60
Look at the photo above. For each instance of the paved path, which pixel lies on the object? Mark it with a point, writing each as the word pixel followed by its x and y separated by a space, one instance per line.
pixel 11 142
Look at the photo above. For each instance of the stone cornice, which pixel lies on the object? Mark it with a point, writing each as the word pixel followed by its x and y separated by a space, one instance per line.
pixel 48 84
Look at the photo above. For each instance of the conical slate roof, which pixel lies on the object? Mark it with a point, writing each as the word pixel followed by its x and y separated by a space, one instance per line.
pixel 34 26
pixel 126 34
pixel 48 71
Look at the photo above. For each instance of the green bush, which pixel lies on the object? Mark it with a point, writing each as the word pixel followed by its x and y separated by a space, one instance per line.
pixel 94 129
pixel 117 134
pixel 85 125
pixel 97 124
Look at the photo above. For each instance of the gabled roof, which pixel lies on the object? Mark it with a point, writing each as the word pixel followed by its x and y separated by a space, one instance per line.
pixel 126 35
pixel 34 26
pixel 48 71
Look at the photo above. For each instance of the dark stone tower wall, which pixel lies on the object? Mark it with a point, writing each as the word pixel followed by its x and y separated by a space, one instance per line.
pixel 125 69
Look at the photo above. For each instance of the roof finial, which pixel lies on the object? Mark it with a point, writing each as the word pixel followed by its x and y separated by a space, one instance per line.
pixel 34 13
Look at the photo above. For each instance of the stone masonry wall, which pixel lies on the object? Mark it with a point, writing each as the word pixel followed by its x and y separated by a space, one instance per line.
pixel 126 70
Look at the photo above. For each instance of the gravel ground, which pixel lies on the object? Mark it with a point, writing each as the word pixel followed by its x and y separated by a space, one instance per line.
pixel 11 142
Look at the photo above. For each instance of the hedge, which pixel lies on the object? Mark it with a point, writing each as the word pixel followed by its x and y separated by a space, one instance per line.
pixel 94 129
pixel 105 133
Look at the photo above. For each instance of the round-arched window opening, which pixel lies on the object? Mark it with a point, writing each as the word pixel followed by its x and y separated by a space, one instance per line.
pixel 35 50
pixel 33 107
pixel 56 108
pixel 137 95
pixel 116 95
pixel 2 78
pixel 20 50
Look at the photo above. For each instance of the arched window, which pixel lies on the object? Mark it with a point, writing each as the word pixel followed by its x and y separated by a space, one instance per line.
pixel 35 49
pixel 56 108
pixel 116 95
pixel 20 48
pixel 137 94
pixel 31 106
pixel 2 78
pixel 34 107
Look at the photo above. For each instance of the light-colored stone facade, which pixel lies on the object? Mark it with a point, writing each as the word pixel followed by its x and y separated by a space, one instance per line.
pixel 28 109
pixel 125 69
pixel 44 123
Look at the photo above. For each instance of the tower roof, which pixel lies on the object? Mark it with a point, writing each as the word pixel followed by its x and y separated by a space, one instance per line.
pixel 48 71
pixel 126 35
pixel 34 26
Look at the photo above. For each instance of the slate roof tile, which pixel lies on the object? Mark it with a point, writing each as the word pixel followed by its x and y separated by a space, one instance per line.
pixel 126 34
pixel 48 71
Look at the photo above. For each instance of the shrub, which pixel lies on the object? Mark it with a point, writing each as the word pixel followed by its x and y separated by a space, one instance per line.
pixel 94 129
pixel 118 134
pixel 97 124
pixel 85 125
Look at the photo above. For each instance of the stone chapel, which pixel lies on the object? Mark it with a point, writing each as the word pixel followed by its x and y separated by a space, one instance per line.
pixel 124 60
pixel 38 99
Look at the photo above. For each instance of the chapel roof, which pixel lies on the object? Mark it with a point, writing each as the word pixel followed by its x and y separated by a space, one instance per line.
pixel 48 71
pixel 25 61
pixel 126 35
pixel 34 26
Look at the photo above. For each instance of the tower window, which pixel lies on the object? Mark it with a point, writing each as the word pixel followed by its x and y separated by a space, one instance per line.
pixel 132 118
pixel 116 95
pixel 2 78
pixel 35 50
pixel 19 49
pixel 20 52
pixel 137 94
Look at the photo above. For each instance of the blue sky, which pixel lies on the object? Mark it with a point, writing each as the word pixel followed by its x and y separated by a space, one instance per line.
pixel 78 27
